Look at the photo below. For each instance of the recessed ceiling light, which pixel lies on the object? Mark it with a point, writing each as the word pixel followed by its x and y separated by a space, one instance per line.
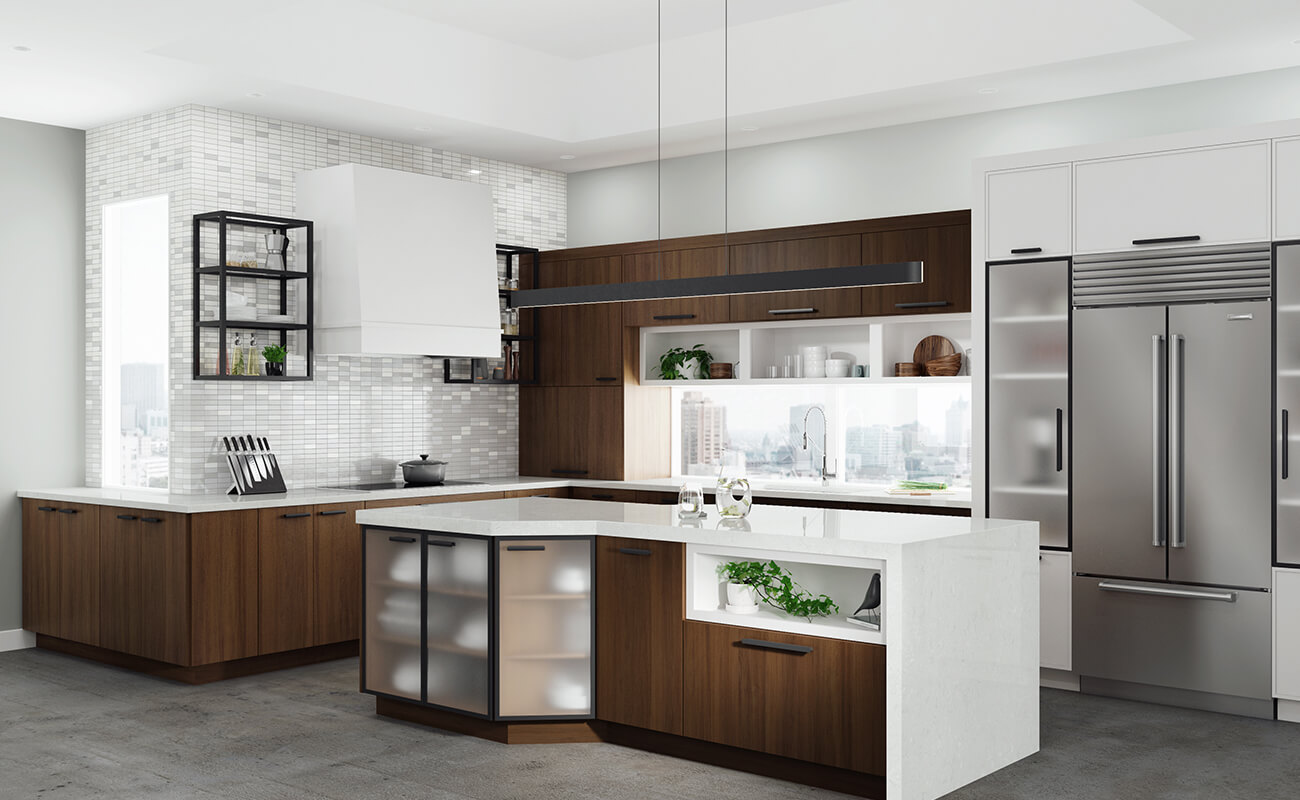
pixel 22 48
pixel 424 129
pixel 1293 41
pixel 988 90
pixel 474 171
pixel 567 157
pixel 255 94
pixel 749 128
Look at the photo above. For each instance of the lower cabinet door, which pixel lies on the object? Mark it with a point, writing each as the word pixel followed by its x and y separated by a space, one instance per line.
pixel 144 584
pixel 286 547
pixel 803 697
pixel 640 605
pixel 544 653
pixel 458 629
pixel 391 656
pixel 338 574
pixel 1054 581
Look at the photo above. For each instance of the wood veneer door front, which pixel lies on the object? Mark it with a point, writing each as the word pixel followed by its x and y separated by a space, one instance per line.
pixel 144 606
pixel 571 432
pixel 286 586
pixel 826 705
pixel 223 586
pixel 74 572
pixel 338 583
pixel 946 253
pixel 795 254
pixel 40 596
pixel 671 265
pixel 581 345
pixel 640 606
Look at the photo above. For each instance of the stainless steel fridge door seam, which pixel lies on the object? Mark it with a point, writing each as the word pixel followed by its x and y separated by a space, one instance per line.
pixel 1158 483
pixel 1160 591
pixel 1177 531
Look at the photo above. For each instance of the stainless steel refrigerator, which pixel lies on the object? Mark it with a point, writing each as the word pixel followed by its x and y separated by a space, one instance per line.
pixel 1172 448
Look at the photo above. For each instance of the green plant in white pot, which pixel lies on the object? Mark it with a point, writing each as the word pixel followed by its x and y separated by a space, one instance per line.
pixel 682 363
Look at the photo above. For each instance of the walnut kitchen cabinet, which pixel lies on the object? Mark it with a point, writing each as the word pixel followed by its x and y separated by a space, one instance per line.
pixel 701 262
pixel 603 433
pixel 582 345
pixel 794 254
pixel 61 570
pixel 144 584
pixel 338 586
pixel 607 495
pixel 640 607
pixel 946 286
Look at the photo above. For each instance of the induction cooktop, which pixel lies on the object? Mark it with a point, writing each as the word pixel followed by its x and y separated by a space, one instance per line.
pixel 375 487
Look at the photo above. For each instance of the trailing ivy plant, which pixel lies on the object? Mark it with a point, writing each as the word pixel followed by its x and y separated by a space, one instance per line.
pixel 670 363
pixel 776 588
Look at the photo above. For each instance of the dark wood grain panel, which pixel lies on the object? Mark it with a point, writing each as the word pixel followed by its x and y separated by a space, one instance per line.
pixel 559 491
pixel 397 502
pixel 338 581
pixel 223 586
pixel 673 265
pixel 40 609
pixel 640 606
pixel 601 493
pixel 571 432
pixel 796 254
pixel 946 253
pixel 286 584
pixel 144 605
pixel 76 570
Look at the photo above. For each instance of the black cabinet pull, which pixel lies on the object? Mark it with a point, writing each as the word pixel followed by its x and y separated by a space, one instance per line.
pixel 763 644
pixel 440 543
pixel 569 471
pixel 602 497
pixel 607 379
pixel 783 311
pixel 674 316
pixel 298 515
pixel 45 508
pixel 1286 444
pixel 402 539
pixel 151 520
pixel 127 517
pixel 67 510
pixel 633 551
pixel 1060 440
pixel 330 513
pixel 1167 240
pixel 525 547
pixel 927 304
pixel 1021 251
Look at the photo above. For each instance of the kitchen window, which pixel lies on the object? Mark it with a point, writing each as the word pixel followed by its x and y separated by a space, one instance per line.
pixel 876 434
pixel 135 319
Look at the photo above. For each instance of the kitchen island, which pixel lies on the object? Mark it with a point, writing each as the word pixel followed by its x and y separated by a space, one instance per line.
pixel 543 619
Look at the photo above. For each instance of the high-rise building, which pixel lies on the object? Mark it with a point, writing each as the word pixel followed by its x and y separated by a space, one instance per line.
pixel 704 431
pixel 143 392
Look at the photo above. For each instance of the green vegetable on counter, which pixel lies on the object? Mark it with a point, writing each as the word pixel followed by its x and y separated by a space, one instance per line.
pixel 923 486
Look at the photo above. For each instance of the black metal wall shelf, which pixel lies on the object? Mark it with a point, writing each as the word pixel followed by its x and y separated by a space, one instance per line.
pixel 478 366
pixel 222 221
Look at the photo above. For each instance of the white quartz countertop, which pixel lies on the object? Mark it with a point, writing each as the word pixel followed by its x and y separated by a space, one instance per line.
pixel 873 534
pixel 201 503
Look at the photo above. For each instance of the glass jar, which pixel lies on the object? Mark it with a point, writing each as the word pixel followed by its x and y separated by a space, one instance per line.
pixel 734 497
pixel 690 501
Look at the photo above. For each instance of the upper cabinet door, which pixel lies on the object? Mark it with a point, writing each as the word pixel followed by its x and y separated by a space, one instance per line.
pixel 825 251
pixel 700 262
pixel 1027 213
pixel 1286 189
pixel 1215 195
pixel 580 345
pixel 946 253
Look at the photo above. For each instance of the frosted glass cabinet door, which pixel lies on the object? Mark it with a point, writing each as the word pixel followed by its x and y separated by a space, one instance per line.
pixel 393 613
pixel 458 631
pixel 1028 369
pixel 545 653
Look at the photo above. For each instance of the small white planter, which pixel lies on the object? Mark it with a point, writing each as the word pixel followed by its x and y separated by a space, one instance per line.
pixel 741 598
pixel 691 369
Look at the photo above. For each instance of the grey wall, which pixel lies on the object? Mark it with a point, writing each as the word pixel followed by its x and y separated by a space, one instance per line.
pixel 903 169
pixel 42 322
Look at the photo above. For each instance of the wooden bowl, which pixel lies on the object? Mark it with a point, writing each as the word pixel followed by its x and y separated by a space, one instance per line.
pixel 719 370
pixel 944 365
pixel 907 369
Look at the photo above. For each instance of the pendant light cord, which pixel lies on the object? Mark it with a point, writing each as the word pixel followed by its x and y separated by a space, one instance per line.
pixel 659 143
pixel 726 141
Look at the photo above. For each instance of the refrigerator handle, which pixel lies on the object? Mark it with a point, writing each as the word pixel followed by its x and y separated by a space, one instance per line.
pixel 1179 534
pixel 1157 440
pixel 1060 439
pixel 1286 444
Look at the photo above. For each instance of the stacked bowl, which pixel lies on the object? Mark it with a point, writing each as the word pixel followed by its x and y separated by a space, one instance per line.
pixel 814 361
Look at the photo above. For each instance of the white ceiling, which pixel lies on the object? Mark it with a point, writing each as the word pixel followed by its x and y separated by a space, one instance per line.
pixel 530 80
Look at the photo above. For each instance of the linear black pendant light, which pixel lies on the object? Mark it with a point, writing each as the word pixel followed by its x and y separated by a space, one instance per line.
pixel 714 285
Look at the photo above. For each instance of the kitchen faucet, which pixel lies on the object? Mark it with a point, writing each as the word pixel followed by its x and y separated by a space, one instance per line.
pixel 825 425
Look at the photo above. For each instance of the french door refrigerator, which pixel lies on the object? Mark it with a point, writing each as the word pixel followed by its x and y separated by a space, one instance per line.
pixel 1171 395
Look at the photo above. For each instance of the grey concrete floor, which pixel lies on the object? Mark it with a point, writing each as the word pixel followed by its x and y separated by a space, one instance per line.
pixel 73 729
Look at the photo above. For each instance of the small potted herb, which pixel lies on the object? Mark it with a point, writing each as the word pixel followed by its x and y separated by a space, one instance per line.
pixel 681 363
pixel 748 581
pixel 274 355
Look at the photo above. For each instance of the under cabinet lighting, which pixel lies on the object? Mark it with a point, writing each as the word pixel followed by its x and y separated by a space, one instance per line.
pixel 712 286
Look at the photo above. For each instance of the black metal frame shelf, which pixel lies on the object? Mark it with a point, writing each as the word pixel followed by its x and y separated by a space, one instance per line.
pixel 512 253
pixel 282 225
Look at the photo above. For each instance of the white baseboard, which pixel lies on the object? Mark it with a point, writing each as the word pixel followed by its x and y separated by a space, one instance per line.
pixel 16 639
pixel 1058 679
pixel 1288 710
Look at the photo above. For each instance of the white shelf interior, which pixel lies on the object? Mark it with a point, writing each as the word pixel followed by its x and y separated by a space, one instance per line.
pixel 843 579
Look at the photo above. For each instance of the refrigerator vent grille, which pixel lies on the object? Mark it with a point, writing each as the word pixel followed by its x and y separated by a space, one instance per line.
pixel 1240 272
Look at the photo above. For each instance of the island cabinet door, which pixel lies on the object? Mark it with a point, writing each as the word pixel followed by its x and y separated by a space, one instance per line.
pixel 144 587
pixel 286 582
pixel 804 697
pixel 458 623
pixel 640 606
pixel 338 573
pixel 390 655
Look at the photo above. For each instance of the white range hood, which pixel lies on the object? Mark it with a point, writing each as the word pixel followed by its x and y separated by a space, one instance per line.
pixel 405 264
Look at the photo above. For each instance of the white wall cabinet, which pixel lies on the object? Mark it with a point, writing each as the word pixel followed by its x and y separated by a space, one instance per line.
pixel 1218 194
pixel 1055 613
pixel 1286 188
pixel 1029 213
pixel 1286 634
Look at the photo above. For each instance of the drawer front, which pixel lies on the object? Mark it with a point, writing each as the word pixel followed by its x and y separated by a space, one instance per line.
pixel 818 700
pixel 1028 213
pixel 607 495
pixel 776 306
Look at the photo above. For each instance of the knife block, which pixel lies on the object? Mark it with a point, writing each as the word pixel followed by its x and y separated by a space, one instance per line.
pixel 254 467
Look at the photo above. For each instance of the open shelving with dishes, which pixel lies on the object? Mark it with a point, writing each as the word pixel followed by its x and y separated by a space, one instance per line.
pixel 518 364
pixel 756 349
pixel 253 287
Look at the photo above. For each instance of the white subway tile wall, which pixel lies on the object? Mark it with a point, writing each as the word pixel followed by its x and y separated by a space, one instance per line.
pixel 361 415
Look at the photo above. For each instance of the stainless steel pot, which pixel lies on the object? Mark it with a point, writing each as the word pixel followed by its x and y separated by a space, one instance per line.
pixel 424 470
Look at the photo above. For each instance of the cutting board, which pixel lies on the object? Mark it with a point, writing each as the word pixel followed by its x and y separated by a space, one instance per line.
pixel 932 347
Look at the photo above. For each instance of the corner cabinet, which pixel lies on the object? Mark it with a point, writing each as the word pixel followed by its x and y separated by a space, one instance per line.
pixel 494 628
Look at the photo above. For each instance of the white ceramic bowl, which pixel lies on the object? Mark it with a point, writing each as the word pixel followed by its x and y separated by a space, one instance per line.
pixel 838 367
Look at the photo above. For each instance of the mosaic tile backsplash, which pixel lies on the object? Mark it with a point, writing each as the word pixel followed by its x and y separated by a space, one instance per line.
pixel 361 415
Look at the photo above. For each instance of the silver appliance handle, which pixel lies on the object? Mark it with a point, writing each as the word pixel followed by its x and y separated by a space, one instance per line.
pixel 1178 532
pixel 1157 440
pixel 1190 594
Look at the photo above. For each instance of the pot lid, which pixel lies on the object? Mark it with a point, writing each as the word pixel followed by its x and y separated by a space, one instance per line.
pixel 423 462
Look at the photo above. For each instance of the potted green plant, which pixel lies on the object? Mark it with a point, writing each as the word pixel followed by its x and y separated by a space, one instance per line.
pixel 274 355
pixel 750 581
pixel 681 363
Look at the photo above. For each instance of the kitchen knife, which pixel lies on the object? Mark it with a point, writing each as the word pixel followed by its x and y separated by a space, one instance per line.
pixel 262 466
pixel 275 464
pixel 253 459
pixel 233 460
pixel 243 462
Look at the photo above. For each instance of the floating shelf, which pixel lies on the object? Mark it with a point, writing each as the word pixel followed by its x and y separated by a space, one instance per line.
pixel 252 325
pixel 581 596
pixel 254 272
pixel 928 380
pixel 551 657
pixel 450 592
pixel 455 649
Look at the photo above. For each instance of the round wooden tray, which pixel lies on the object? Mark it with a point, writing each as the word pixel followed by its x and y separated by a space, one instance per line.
pixel 932 347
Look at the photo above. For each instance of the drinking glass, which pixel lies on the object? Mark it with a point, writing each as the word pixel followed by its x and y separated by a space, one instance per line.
pixel 690 501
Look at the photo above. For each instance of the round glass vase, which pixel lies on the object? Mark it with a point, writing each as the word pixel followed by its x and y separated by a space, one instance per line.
pixel 733 497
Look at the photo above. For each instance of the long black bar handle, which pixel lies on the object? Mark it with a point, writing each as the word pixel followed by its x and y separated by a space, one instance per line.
pixel 1286 444
pixel 928 304
pixel 602 497
pixel 1167 240
pixel 67 510
pixel 1060 439
pixel 763 644
pixel 151 520
pixel 127 517
pixel 1024 251
pixel 298 515
pixel 402 539
pixel 440 543
pixel 569 471
pixel 45 508
pixel 333 513
pixel 607 379
pixel 785 311
pixel 673 316
pixel 633 551
pixel 525 547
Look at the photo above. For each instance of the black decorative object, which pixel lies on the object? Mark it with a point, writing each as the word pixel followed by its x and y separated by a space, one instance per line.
pixel 868 614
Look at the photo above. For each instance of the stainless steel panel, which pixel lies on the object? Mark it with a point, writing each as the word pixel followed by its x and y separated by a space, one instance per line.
pixel 1288 403
pixel 1220 455
pixel 1241 272
pixel 1029 408
pixel 1117 451
pixel 1196 644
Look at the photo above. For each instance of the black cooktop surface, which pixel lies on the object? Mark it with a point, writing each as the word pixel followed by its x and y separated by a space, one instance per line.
pixel 375 487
